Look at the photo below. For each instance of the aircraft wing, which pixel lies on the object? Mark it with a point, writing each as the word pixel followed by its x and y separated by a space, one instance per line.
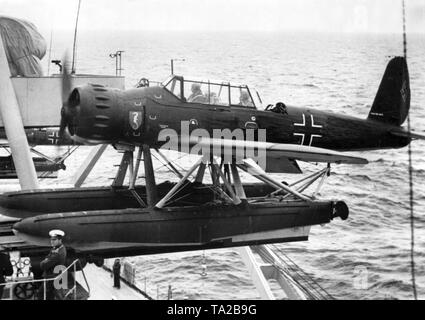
pixel 277 157
pixel 282 165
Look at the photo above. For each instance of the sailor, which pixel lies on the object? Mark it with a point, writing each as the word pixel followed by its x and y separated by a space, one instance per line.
pixel 56 257
pixel 196 95
pixel 116 269
pixel 244 100
pixel 6 269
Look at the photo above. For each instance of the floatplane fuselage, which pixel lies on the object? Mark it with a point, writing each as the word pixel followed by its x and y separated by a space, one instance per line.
pixel 97 114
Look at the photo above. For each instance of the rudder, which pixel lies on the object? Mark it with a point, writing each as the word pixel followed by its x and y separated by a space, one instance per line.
pixel 392 101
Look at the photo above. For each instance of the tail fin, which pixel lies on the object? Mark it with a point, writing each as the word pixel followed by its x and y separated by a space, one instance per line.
pixel 392 102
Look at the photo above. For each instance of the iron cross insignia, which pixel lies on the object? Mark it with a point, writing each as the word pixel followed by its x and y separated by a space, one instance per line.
pixel 305 130
pixel 54 137
pixel 135 119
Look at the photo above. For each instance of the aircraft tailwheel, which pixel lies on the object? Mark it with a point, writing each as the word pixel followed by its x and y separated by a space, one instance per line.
pixel 24 291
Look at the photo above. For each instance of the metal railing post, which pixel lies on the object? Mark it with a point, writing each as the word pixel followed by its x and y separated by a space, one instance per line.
pixel 44 293
pixel 64 273
pixel 75 281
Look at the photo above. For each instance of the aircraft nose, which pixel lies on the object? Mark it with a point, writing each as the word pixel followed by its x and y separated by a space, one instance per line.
pixel 92 114
pixel 341 210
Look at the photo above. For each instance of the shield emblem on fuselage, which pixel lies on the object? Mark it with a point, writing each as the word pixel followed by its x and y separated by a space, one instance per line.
pixel 135 119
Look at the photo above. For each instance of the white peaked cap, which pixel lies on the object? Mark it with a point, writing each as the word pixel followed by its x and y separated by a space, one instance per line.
pixel 56 233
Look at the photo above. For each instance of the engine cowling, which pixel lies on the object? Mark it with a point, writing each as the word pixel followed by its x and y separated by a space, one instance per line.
pixel 94 114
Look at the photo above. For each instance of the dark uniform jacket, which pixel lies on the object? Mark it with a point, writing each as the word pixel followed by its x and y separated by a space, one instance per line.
pixel 56 257
pixel 116 268
pixel 6 268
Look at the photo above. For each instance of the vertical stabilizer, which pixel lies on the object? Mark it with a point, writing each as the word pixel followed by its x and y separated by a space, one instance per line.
pixel 392 102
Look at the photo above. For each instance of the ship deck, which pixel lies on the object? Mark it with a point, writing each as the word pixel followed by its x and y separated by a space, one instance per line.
pixel 100 281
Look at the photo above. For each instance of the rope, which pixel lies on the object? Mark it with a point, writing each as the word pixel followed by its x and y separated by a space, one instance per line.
pixel 409 150
pixel 164 165
pixel 311 293
pixel 50 53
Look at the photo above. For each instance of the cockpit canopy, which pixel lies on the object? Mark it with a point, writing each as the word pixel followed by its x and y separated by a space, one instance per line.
pixel 210 92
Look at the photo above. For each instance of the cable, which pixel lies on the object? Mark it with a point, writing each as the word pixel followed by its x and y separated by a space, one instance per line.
pixel 308 280
pixel 74 49
pixel 303 285
pixel 409 150
pixel 50 53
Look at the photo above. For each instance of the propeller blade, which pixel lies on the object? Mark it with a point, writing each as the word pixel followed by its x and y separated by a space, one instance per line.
pixel 66 82
pixel 62 125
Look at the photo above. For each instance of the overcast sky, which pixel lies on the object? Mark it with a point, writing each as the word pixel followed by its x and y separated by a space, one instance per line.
pixel 206 15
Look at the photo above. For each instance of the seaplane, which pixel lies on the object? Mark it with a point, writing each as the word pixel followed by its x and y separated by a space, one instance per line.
pixel 96 114
pixel 221 125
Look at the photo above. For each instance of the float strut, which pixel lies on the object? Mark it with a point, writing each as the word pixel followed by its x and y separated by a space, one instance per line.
pixel 136 169
pixel 151 192
pixel 240 192
pixel 122 170
pixel 200 174
pixel 236 200
pixel 171 193
pixel 260 174
pixel 88 165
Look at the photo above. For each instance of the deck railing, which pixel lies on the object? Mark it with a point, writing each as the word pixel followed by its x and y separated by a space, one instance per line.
pixel 60 276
